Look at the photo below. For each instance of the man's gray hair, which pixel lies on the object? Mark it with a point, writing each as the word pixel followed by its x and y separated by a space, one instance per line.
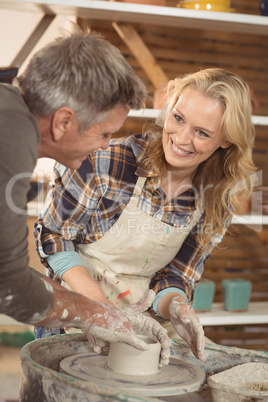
pixel 83 72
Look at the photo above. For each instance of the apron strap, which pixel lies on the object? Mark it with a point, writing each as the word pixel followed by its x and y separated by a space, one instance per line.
pixel 137 191
pixel 197 214
pixel 139 186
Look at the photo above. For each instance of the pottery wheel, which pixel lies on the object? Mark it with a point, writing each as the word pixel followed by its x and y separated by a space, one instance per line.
pixel 177 378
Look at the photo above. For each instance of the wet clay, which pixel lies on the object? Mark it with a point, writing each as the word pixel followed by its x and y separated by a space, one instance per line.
pixel 249 380
pixel 176 378
pixel 43 381
pixel 126 359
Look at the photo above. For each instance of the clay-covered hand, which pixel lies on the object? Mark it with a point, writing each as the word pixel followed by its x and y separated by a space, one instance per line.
pixel 100 321
pixel 187 325
pixel 110 324
pixel 145 325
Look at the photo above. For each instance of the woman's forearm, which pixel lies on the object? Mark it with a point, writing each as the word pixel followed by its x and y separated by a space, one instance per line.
pixel 80 281
pixel 163 305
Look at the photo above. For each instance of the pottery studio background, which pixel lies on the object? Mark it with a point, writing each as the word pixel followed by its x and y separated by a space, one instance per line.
pixel 175 50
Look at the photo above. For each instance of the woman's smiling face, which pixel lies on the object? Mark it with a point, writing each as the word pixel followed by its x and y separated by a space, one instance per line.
pixel 191 133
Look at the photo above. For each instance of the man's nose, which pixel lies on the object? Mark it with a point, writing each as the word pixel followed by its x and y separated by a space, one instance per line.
pixel 106 142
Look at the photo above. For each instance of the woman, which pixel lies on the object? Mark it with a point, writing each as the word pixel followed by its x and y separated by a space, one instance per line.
pixel 148 211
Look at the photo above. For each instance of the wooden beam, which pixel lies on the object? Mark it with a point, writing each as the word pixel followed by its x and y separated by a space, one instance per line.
pixel 33 39
pixel 84 24
pixel 141 52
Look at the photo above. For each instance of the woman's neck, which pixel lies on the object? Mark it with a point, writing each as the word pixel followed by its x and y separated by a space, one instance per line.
pixel 174 184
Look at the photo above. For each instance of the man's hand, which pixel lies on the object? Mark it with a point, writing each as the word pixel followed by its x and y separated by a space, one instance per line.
pixel 97 320
pixel 145 325
pixel 140 324
pixel 187 325
pixel 110 324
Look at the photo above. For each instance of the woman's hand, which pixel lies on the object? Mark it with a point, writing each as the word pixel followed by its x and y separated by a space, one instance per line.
pixel 145 325
pixel 187 325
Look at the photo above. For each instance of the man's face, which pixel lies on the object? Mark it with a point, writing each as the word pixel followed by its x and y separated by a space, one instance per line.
pixel 75 145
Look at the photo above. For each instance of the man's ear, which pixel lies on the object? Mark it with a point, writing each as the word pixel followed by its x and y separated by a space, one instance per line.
pixel 225 144
pixel 61 121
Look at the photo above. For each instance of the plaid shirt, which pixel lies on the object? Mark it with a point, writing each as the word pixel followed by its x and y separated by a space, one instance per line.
pixel 85 203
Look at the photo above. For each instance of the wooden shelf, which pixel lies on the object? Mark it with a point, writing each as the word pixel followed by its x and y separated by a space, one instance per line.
pixel 153 113
pixel 146 14
pixel 257 314
pixel 250 220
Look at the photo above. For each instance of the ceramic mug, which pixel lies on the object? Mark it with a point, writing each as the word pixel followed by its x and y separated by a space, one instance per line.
pixel 126 359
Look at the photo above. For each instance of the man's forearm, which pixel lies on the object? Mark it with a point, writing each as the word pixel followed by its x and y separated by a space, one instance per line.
pixel 69 309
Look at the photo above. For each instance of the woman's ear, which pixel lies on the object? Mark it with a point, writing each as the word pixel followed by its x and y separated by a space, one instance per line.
pixel 225 144
pixel 61 122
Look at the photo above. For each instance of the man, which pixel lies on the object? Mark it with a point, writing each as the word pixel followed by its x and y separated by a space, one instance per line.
pixel 75 93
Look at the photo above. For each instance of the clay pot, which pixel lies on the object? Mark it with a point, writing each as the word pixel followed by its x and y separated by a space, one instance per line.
pixel 236 294
pixel 204 295
pixel 126 359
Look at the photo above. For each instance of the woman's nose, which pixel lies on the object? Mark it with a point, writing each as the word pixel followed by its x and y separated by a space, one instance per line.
pixel 184 136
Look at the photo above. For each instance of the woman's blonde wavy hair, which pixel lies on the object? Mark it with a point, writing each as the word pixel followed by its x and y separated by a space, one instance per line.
pixel 227 174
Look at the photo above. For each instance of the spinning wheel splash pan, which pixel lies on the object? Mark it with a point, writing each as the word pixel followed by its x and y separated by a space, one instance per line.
pixel 177 378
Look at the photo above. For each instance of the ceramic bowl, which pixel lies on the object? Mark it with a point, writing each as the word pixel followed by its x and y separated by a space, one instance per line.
pixel 126 359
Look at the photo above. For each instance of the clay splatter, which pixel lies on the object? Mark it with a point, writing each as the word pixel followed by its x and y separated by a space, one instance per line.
pixel 65 313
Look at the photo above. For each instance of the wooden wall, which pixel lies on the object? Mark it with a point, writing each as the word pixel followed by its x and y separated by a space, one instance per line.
pixel 242 254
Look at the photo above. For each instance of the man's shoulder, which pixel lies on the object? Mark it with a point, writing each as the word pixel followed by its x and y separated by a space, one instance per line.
pixel 122 154
pixel 132 144
pixel 10 97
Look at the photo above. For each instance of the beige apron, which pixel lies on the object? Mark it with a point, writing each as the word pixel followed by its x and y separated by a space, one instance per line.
pixel 125 259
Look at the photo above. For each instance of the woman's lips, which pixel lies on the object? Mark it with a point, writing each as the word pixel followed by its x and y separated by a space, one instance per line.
pixel 179 151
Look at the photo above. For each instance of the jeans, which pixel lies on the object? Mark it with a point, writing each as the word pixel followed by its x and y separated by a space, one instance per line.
pixel 41 332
